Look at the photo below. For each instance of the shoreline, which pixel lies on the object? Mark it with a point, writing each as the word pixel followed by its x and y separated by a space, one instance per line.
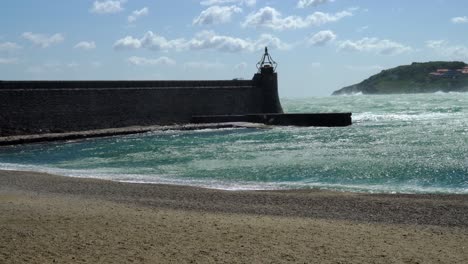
pixel 397 208
pixel 50 218
pixel 222 186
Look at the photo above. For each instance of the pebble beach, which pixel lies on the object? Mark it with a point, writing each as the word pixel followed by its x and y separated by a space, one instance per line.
pixel 48 218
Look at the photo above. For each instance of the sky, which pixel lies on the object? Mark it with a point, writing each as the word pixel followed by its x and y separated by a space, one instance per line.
pixel 319 45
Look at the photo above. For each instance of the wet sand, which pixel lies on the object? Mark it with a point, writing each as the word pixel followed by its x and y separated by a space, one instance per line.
pixel 46 218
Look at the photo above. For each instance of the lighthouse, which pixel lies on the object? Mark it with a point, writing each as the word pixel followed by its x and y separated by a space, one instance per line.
pixel 267 80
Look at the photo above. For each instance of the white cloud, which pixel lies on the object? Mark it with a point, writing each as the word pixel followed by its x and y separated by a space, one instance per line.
pixel 42 40
pixel 85 45
pixel 307 3
pixel 127 43
pixel 155 42
pixel 137 14
pixel 460 20
pixel 267 40
pixel 9 46
pixel 382 47
pixel 270 18
pixel 149 41
pixel 223 2
pixel 434 44
pixel 216 15
pixel 321 38
pixel 140 61
pixel 209 40
pixel 362 29
pixel 442 47
pixel 8 60
pixel 201 41
pixel 459 52
pixel 107 7
pixel 203 65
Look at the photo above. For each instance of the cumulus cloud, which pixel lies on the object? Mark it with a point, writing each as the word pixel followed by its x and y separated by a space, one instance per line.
pixel 141 61
pixel 321 38
pixel 453 52
pixel 269 17
pixel 216 15
pixel 460 20
pixel 223 2
pixel 137 14
pixel 85 45
pixel 43 40
pixel 156 42
pixel 128 42
pixel 307 3
pixel 9 46
pixel 379 46
pixel 267 40
pixel 107 7
pixel 149 41
pixel 210 40
pixel 201 41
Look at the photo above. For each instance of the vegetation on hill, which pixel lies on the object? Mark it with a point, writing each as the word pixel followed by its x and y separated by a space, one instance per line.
pixel 414 78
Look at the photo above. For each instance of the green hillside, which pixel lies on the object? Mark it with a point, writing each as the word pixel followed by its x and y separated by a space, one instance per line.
pixel 414 78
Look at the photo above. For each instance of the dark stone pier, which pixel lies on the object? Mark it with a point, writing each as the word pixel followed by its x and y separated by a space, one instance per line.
pixel 45 107
pixel 318 119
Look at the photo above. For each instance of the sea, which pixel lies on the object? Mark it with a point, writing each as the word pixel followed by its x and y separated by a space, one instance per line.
pixel 416 143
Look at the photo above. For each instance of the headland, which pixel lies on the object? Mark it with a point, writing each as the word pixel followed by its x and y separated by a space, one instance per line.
pixel 427 77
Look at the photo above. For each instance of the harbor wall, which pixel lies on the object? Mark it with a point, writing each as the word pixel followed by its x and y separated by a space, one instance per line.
pixel 35 107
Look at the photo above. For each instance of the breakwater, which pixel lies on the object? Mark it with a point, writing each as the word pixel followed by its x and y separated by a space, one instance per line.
pixel 36 107
pixel 295 119
pixel 64 107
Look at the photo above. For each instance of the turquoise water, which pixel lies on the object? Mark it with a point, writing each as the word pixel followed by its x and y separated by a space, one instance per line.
pixel 397 143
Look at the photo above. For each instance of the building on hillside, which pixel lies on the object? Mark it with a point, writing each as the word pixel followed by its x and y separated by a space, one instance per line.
pixel 463 70
pixel 449 73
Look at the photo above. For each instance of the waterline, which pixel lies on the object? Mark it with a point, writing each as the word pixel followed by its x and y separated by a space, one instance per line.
pixel 397 144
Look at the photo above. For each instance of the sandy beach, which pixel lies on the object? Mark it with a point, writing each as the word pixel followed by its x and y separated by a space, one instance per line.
pixel 55 219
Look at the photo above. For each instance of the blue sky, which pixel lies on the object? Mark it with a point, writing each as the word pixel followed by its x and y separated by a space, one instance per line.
pixel 320 45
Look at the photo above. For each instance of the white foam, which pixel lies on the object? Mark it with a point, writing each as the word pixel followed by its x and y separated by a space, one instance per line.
pixel 105 174
pixel 368 116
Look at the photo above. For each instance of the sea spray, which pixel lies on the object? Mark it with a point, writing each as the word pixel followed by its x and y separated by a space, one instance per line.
pixel 397 144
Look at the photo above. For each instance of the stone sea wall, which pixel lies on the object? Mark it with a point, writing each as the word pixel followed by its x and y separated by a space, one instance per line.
pixel 34 107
